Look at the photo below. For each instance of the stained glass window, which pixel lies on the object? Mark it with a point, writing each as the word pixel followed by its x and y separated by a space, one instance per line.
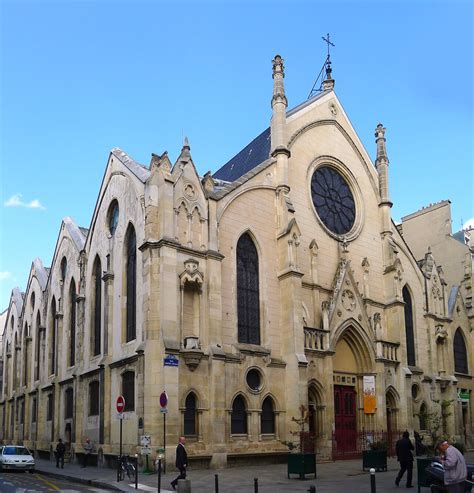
pixel 190 415
pixel 460 353
pixel 131 260
pixel 97 305
pixel 267 419
pixel 333 200
pixel 248 299
pixel 238 425
pixel 409 334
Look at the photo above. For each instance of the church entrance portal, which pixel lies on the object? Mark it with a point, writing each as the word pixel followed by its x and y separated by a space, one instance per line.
pixel 345 429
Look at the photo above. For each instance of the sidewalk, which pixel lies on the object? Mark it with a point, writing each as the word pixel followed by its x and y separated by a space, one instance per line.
pixel 332 477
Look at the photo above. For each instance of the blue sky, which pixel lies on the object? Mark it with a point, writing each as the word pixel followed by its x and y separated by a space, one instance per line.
pixel 81 77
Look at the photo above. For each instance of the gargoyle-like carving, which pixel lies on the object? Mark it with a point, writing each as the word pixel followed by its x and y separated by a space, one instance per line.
pixel 191 273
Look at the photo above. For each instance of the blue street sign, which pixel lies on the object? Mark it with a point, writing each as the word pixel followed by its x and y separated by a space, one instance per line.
pixel 170 360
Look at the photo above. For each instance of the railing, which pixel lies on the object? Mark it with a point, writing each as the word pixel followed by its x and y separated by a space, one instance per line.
pixel 387 350
pixel 315 339
pixel 348 444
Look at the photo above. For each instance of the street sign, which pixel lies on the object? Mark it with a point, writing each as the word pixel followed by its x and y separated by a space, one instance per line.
pixel 163 399
pixel 170 360
pixel 145 440
pixel 163 410
pixel 120 403
pixel 120 416
pixel 146 450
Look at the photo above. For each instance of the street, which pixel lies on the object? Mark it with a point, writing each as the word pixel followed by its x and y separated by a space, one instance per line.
pixel 22 482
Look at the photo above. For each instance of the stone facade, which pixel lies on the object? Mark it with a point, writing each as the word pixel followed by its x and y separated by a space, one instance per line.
pixel 251 293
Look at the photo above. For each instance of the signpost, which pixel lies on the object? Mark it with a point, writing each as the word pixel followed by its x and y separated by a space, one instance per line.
pixel 145 442
pixel 164 410
pixel 120 405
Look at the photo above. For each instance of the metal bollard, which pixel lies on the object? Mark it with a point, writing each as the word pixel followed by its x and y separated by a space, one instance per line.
pixel 118 468
pixel 159 475
pixel 372 480
pixel 216 483
pixel 312 489
pixel 136 471
pixel 255 485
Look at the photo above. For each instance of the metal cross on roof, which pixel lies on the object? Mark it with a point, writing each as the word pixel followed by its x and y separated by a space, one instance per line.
pixel 328 41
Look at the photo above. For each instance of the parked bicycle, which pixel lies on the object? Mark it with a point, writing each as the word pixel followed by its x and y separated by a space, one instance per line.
pixel 127 467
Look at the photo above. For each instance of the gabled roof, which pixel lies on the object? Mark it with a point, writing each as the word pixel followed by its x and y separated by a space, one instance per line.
pixel 41 272
pixel 250 156
pixel 75 232
pixel 137 169
pixel 452 299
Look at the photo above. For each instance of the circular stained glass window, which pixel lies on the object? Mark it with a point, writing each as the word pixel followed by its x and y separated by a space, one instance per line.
pixel 113 217
pixel 333 200
pixel 254 380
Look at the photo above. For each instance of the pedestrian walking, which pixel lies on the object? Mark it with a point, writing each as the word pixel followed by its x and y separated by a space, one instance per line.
pixel 87 451
pixel 404 449
pixel 455 470
pixel 181 461
pixel 60 451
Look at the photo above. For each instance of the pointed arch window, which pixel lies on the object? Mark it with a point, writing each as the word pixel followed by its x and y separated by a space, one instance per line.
pixel 97 320
pixel 238 423
pixel 53 335
pixel 38 347
pixel 131 284
pixel 409 333
pixel 69 404
pixel 267 418
pixel 72 324
pixel 248 299
pixel 460 353
pixel 25 355
pixel 190 415
pixel 422 416
pixel 63 269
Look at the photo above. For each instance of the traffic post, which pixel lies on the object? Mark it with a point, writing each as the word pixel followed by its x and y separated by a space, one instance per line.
pixel 164 410
pixel 120 406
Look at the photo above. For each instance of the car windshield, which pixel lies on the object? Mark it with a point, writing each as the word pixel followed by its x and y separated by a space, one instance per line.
pixel 16 451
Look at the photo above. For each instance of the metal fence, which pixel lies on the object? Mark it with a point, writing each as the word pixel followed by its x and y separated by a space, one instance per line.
pixel 351 447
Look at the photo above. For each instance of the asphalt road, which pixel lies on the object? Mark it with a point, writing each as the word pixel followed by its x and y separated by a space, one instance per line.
pixel 23 482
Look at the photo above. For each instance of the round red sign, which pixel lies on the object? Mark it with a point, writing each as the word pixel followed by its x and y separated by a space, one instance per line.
pixel 120 403
pixel 163 399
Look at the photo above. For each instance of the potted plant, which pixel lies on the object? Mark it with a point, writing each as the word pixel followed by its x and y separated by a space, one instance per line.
pixel 302 457
pixel 376 456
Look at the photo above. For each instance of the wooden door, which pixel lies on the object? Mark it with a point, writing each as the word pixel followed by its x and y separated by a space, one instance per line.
pixel 345 419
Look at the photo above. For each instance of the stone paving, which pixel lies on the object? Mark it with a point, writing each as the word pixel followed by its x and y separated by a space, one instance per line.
pixel 340 477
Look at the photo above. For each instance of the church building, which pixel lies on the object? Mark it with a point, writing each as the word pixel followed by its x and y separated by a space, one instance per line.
pixel 276 288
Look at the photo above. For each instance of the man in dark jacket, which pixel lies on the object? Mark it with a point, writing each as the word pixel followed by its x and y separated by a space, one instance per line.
pixel 181 461
pixel 60 451
pixel 404 449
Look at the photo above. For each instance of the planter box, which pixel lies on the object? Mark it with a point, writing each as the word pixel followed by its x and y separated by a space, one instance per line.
pixel 422 475
pixel 302 464
pixel 374 458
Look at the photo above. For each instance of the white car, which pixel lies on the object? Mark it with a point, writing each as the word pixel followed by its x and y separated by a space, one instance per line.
pixel 16 457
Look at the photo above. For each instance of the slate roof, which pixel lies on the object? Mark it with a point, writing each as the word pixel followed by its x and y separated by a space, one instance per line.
pixel 460 237
pixel 248 158
pixel 452 299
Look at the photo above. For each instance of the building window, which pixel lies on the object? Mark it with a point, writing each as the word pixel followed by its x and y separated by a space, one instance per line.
pixel 267 418
pixel 131 283
pixel 63 269
pixel 21 417
pixel 248 301
pixel 52 348
pixel 422 416
pixel 113 217
pixel 69 404
pixel 190 415
pixel 238 424
pixel 25 355
pixel 460 353
pixel 38 347
pixel 97 306
pixel 128 390
pixel 49 407
pixel 72 324
pixel 33 410
pixel 94 398
pixel 33 298
pixel 409 334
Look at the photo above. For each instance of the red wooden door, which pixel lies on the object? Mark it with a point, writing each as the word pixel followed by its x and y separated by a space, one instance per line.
pixel 345 419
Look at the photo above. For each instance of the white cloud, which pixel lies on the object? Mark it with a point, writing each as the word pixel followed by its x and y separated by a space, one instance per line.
pixel 5 275
pixel 15 201
pixel 469 224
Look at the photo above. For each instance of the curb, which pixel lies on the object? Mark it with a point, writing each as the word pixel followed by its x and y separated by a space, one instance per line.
pixel 75 479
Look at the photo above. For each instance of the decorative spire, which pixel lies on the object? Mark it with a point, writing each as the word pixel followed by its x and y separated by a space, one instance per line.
pixel 186 143
pixel 381 150
pixel 278 85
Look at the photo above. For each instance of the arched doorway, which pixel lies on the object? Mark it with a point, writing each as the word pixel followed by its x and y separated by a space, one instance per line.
pixel 391 408
pixel 316 410
pixel 352 360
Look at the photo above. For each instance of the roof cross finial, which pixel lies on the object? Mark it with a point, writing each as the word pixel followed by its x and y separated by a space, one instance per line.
pixel 328 83
pixel 327 40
